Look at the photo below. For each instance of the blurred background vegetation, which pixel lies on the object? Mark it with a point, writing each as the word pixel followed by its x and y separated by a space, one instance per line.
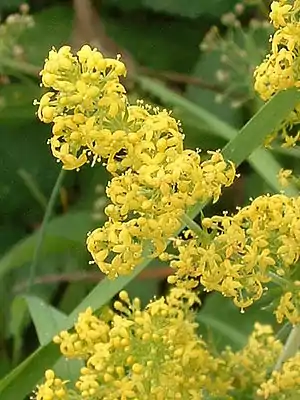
pixel 196 57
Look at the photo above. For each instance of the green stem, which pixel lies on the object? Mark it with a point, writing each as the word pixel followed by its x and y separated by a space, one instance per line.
pixel 32 186
pixel 190 223
pixel 42 231
pixel 291 347
pixel 21 66
pixel 279 280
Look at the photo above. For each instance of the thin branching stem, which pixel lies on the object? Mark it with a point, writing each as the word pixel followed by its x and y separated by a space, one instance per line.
pixel 192 225
pixel 43 228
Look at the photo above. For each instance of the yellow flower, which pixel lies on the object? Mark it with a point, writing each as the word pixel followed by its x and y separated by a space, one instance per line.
pixel 283 384
pixel 85 93
pixel 289 307
pixel 242 251
pixel 249 366
pixel 284 177
pixel 280 69
pixel 278 13
pixel 52 389
pixel 148 354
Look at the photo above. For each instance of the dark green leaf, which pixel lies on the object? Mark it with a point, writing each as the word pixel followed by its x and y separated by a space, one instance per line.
pixel 48 321
pixel 67 232
pixel 52 27
pixel 226 325
pixel 9 4
pixel 16 101
pixel 206 69
pixel 193 8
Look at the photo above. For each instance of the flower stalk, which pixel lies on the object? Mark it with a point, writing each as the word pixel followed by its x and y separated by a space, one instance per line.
pixel 41 233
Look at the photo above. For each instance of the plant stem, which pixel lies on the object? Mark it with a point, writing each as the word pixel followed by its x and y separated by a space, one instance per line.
pixel 279 280
pixel 291 347
pixel 42 230
pixel 190 223
pixel 21 66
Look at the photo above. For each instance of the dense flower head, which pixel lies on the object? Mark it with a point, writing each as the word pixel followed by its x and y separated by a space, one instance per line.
pixel 155 180
pixel 285 383
pixel 85 102
pixel 280 69
pixel 147 207
pixel 249 367
pixel 53 388
pixel 135 353
pixel 242 253
pixel 156 353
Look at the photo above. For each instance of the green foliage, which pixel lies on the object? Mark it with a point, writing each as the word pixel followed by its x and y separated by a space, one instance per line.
pixel 53 27
pixel 206 69
pixel 4 4
pixel 193 9
pixel 229 327
pixel 64 233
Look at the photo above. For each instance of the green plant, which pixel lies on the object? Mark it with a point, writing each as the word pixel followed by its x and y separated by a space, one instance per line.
pixel 159 195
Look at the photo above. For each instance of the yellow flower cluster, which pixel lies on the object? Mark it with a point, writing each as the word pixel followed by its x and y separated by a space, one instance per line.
pixel 154 179
pixel 283 384
pixel 245 251
pixel 280 70
pixel 147 206
pixel 285 177
pixel 147 354
pixel 53 388
pixel 249 366
pixel 156 354
pixel 84 103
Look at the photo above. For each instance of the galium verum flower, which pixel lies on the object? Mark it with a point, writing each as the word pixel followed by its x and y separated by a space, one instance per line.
pixel 154 179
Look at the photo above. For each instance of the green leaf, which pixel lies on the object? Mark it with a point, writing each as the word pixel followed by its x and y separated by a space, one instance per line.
pixel 67 232
pixel 52 27
pixel 170 40
pixel 130 6
pixel 48 321
pixel 16 102
pixel 10 4
pixel 206 69
pixel 21 380
pixel 18 319
pixel 193 9
pixel 224 324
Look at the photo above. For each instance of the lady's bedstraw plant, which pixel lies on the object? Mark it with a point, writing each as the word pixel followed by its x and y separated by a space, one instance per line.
pixel 280 70
pixel 155 353
pixel 154 179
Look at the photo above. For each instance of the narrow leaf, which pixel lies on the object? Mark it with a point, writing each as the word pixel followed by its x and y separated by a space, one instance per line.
pixel 63 233
pixel 48 321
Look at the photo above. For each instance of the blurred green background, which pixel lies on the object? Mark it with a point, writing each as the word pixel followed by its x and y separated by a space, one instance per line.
pixel 175 59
